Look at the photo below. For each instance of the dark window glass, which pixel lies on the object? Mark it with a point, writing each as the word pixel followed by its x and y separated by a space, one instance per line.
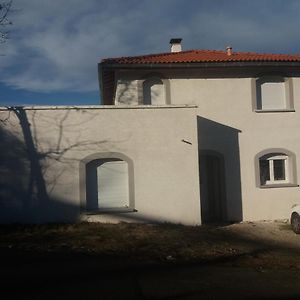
pixel 264 171
pixel 279 169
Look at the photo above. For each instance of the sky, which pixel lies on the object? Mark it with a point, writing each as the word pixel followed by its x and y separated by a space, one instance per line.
pixel 54 47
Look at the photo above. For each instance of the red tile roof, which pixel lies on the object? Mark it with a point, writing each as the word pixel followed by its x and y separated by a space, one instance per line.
pixel 202 56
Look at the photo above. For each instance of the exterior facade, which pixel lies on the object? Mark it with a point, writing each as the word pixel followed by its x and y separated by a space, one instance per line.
pixel 99 163
pixel 186 137
pixel 247 122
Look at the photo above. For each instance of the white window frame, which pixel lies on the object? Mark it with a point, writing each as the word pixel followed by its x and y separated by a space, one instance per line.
pixel 264 168
pixel 271 169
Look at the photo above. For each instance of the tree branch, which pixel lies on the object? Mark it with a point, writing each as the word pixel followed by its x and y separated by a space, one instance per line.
pixel 5 8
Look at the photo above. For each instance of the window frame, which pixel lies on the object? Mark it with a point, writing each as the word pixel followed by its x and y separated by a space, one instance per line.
pixel 288 92
pixel 270 159
pixel 271 155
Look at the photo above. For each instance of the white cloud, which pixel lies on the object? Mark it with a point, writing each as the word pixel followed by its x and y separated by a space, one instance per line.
pixel 56 45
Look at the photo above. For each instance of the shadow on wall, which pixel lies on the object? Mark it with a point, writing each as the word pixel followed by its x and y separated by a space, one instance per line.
pixel 220 177
pixel 23 193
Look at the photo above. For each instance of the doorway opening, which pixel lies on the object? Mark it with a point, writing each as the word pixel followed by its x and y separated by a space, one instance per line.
pixel 212 187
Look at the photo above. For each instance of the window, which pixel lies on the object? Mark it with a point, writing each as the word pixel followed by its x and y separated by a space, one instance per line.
pixel 273 169
pixel 153 91
pixel 276 169
pixel 274 93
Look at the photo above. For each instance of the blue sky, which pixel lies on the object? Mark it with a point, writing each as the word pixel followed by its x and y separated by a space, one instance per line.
pixel 54 46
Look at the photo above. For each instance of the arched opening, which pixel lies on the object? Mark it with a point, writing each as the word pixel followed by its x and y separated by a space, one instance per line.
pixel 212 187
pixel 275 167
pixel 107 183
pixel 153 91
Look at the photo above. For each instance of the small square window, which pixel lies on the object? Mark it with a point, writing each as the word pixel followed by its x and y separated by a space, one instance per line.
pixel 274 93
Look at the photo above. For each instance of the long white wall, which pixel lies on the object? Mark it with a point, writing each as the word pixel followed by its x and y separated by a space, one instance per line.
pixel 165 168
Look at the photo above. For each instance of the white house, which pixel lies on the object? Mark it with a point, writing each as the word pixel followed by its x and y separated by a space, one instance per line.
pixel 185 137
pixel 248 121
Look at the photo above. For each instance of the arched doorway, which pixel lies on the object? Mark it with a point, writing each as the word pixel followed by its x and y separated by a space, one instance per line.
pixel 107 182
pixel 212 187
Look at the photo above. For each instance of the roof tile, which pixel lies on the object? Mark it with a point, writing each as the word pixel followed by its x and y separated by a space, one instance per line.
pixel 202 56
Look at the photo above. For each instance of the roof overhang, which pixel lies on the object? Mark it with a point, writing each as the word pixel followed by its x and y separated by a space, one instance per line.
pixel 202 65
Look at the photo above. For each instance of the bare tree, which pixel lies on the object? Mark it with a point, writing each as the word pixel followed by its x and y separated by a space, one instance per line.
pixel 5 8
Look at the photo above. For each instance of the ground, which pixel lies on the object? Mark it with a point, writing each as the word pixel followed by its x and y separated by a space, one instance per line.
pixel 139 261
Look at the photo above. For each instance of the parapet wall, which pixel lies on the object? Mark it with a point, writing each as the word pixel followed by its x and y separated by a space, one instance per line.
pixel 43 150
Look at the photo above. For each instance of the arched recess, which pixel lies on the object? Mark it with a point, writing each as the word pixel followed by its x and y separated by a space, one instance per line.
pixel 154 89
pixel 270 161
pixel 212 186
pixel 106 182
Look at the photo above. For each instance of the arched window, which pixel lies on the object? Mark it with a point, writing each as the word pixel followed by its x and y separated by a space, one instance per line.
pixel 153 91
pixel 276 168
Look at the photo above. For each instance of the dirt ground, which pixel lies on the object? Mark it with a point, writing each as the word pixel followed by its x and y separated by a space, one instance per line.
pixel 275 245
pixel 259 260
pixel 277 233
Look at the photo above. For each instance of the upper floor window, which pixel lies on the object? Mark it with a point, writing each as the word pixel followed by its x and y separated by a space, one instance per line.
pixel 153 91
pixel 274 93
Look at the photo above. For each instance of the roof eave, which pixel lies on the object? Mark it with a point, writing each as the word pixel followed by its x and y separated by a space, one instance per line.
pixel 202 64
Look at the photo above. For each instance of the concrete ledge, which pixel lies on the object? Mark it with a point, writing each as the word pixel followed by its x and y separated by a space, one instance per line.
pixel 274 110
pixel 78 107
pixel 280 185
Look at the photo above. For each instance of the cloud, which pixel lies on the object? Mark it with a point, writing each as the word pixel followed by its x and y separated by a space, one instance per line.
pixel 56 45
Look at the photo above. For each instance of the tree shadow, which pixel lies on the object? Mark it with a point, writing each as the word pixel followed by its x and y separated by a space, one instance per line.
pixel 24 192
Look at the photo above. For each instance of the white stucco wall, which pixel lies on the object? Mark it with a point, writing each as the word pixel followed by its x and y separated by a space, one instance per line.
pixel 166 183
pixel 234 129
pixel 229 102
pixel 126 92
